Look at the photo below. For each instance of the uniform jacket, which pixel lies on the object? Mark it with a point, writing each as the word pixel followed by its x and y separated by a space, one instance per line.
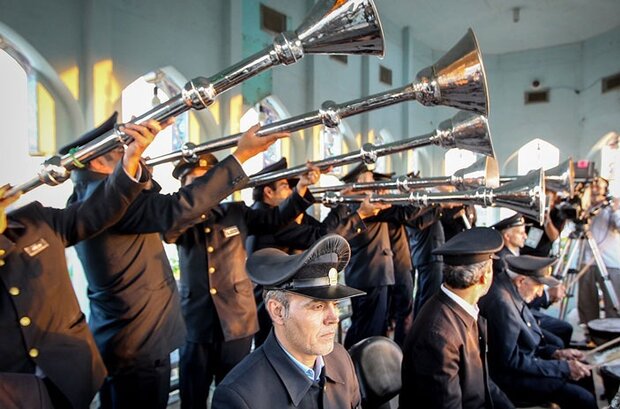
pixel 231 311
pixel 296 237
pixel 267 378
pixel 41 324
pixel 499 263
pixel 517 350
pixel 444 365
pixel 424 239
pixel 372 261
pixel 399 242
pixel 135 306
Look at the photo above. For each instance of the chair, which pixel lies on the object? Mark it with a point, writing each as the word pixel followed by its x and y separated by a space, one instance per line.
pixel 377 362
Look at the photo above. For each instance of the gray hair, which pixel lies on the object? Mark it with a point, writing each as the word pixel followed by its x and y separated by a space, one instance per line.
pixel 465 276
pixel 279 296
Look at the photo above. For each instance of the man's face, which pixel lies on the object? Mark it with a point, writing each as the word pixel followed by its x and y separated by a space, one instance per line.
pixel 280 193
pixel 529 288
pixel 599 190
pixel 310 328
pixel 365 177
pixel 515 236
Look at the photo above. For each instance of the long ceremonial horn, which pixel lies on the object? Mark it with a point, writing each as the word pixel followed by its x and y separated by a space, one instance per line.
pixel 483 172
pixel 331 27
pixel 464 130
pixel 456 80
pixel 558 179
pixel 525 195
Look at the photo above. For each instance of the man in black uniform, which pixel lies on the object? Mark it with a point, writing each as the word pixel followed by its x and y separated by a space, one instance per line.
pixel 48 357
pixel 444 360
pixel 522 363
pixel 299 365
pixel 371 268
pixel 301 233
pixel 557 332
pixel 135 306
pixel 216 294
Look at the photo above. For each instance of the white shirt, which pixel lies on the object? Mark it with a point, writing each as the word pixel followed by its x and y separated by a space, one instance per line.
pixel 470 309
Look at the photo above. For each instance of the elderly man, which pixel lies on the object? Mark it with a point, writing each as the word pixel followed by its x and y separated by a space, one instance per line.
pixel 48 357
pixel 216 293
pixel 299 365
pixel 444 361
pixel 521 362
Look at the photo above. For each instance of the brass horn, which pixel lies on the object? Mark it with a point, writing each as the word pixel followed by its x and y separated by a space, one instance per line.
pixel 465 130
pixel 483 172
pixel 525 195
pixel 456 80
pixel 331 27
pixel 558 179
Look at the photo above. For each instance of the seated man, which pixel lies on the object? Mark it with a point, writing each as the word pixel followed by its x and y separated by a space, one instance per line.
pixel 444 365
pixel 299 365
pixel 520 361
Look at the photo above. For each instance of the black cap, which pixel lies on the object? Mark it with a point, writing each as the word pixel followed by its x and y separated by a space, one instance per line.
pixel 279 165
pixel 512 221
pixel 313 273
pixel 105 127
pixel 471 246
pixel 363 168
pixel 538 268
pixel 183 167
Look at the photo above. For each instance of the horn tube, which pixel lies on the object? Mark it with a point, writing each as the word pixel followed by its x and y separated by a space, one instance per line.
pixel 465 130
pixel 456 80
pixel 558 179
pixel 331 27
pixel 525 195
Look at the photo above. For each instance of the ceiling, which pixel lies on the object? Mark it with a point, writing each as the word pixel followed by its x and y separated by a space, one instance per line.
pixel 541 23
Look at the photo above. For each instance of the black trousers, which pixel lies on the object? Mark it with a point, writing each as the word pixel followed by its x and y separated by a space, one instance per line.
pixel 557 331
pixel 201 363
pixel 567 394
pixel 401 308
pixel 142 385
pixel 370 313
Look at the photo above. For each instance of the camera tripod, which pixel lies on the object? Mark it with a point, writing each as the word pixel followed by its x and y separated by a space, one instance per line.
pixel 578 240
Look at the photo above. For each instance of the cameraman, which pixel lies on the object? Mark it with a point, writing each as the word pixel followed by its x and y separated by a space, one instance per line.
pixel 604 228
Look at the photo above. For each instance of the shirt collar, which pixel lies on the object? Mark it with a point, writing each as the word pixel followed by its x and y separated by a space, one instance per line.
pixel 312 373
pixel 470 309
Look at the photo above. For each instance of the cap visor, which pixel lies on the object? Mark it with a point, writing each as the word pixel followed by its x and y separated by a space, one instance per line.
pixel 331 293
pixel 550 281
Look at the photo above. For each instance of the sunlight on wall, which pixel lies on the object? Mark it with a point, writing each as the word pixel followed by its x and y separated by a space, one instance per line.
pixel 106 90
pixel 71 78
pixel 236 112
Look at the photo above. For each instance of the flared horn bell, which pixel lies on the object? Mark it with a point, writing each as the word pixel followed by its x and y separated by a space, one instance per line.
pixel 562 178
pixel 483 172
pixel 342 27
pixel 525 195
pixel 457 79
pixel 469 131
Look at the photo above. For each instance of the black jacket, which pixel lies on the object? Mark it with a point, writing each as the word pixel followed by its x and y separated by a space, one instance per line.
pixel 444 365
pixel 135 305
pixel 41 324
pixel 212 259
pixel 267 378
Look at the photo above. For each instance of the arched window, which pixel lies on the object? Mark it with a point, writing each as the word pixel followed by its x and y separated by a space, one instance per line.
pixel 537 154
pixel 456 159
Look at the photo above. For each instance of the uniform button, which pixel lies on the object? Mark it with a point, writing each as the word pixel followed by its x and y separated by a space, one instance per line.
pixel 359 230
pixel 14 291
pixel 24 321
pixel 529 325
pixel 211 270
pixel 210 249
pixel 2 252
pixel 207 230
pixel 203 216
pixel 1 263
pixel 213 291
pixel 33 353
